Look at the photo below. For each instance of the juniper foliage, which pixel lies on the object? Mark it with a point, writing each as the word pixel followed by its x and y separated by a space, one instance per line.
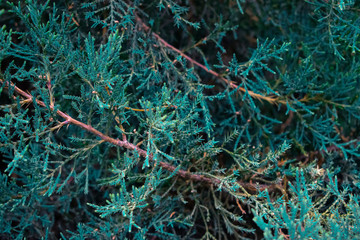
pixel 179 119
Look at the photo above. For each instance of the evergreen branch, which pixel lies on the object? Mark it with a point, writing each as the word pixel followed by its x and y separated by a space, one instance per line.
pixel 188 154
pixel 250 187
pixel 232 84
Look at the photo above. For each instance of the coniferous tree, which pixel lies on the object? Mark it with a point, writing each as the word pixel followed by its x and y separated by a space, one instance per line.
pixel 179 119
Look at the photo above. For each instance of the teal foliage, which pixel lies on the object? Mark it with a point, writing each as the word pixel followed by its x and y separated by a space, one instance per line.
pixel 302 217
pixel 171 119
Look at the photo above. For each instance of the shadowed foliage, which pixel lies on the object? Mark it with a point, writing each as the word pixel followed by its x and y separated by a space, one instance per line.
pixel 179 119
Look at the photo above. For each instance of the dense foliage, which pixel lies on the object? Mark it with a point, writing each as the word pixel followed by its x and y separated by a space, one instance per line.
pixel 180 119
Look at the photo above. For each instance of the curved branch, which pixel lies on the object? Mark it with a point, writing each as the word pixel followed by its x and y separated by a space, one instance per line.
pixel 130 146
pixel 217 75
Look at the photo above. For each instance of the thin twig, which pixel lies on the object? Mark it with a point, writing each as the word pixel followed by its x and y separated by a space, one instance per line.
pixel 212 72
pixel 287 122
pixel 125 144
pixel 48 79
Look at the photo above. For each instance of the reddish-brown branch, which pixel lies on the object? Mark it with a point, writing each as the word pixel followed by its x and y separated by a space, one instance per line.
pixel 287 122
pixel 318 154
pixel 252 188
pixel 217 75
